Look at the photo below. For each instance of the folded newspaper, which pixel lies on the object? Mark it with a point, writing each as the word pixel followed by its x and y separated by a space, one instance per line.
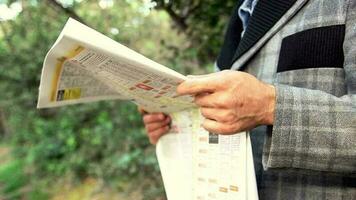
pixel 85 66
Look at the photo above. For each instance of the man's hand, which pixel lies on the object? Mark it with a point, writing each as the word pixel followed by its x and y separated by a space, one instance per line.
pixel 231 101
pixel 156 124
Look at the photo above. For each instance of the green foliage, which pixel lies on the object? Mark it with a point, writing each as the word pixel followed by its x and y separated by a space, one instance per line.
pixel 103 140
pixel 12 174
pixel 14 183
pixel 203 21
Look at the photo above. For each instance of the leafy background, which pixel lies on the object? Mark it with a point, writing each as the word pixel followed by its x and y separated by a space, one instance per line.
pixel 97 150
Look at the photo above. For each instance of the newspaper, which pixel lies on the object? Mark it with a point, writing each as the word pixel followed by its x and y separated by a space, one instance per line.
pixel 85 66
pixel 199 165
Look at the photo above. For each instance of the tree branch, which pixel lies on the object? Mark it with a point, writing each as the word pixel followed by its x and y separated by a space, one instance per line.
pixel 179 20
pixel 192 9
pixel 71 13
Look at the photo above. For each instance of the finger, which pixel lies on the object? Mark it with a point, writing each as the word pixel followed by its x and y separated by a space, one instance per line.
pixel 220 115
pixel 155 135
pixel 205 100
pixel 154 117
pixel 210 113
pixel 197 85
pixel 154 126
pixel 218 127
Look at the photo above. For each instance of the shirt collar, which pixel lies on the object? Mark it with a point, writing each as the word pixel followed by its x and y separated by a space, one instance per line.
pixel 248 6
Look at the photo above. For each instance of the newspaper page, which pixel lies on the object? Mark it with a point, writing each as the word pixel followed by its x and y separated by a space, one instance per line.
pixel 84 65
pixel 251 183
pixel 199 165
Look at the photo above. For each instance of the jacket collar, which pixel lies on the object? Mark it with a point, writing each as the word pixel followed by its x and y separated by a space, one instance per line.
pixel 231 40
pixel 268 17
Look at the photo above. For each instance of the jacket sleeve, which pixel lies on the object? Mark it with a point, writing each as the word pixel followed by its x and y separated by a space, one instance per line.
pixel 314 129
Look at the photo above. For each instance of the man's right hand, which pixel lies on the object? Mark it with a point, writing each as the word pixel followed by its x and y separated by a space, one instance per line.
pixel 156 124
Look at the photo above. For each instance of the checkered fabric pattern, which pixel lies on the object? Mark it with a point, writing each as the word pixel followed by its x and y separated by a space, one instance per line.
pixel 310 153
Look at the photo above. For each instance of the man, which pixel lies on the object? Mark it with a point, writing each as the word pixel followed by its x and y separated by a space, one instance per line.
pixel 290 71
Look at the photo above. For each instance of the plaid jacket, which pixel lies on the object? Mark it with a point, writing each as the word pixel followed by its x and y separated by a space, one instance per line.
pixel 307 49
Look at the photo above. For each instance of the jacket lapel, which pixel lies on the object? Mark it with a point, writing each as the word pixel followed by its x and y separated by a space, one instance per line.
pixel 268 17
pixel 231 40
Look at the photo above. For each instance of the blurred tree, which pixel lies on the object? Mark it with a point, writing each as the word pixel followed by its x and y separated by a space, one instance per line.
pixel 67 10
pixel 203 22
pixel 104 140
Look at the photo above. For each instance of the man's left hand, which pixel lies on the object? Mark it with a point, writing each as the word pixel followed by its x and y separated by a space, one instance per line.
pixel 231 101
